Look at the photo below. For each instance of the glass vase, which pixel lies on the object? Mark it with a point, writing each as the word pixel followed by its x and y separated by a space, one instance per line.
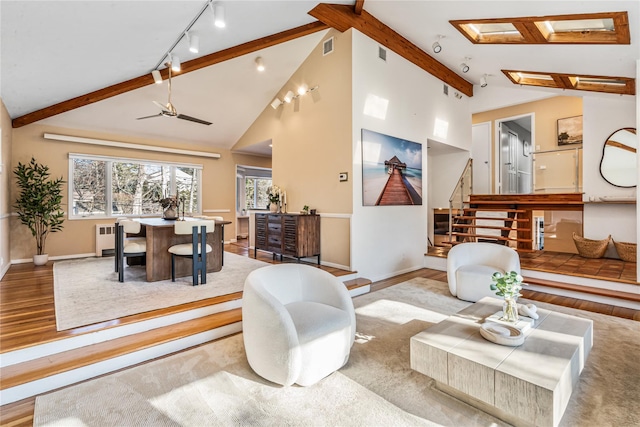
pixel 510 310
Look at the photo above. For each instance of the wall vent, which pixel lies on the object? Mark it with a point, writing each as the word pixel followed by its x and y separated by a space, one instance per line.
pixel 327 46
pixel 105 239
pixel 445 89
pixel 382 53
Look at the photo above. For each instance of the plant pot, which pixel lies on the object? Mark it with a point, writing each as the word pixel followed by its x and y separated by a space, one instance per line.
pixel 40 259
pixel 273 208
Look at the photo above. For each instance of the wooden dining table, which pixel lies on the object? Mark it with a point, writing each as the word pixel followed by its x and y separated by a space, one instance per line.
pixel 160 236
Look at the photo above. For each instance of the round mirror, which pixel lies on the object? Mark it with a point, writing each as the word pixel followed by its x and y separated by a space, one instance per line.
pixel 618 163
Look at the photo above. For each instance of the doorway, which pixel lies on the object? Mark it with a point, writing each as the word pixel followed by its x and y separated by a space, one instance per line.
pixel 514 141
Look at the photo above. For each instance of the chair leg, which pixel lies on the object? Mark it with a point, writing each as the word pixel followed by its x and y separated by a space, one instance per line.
pixel 194 269
pixel 203 267
pixel 173 267
pixel 121 269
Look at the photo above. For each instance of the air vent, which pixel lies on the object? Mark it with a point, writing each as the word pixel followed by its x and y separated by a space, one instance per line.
pixel 382 53
pixel 445 89
pixel 327 46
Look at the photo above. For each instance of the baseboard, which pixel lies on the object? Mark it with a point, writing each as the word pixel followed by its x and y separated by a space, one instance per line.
pixel 55 258
pixel 4 270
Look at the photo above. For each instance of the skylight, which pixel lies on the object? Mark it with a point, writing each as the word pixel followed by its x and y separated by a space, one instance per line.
pixel 619 85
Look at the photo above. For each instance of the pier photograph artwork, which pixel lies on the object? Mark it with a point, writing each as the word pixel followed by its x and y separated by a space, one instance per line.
pixel 391 170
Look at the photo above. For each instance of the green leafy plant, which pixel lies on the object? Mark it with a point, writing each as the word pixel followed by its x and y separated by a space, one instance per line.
pixel 305 209
pixel 507 285
pixel 39 204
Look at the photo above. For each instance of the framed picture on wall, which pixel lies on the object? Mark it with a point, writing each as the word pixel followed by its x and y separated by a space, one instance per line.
pixel 526 148
pixel 570 130
pixel 391 170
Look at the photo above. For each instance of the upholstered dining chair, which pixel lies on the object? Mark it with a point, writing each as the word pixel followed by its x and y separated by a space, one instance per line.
pixel 128 247
pixel 217 218
pixel 134 239
pixel 197 250
pixel 470 267
pixel 298 323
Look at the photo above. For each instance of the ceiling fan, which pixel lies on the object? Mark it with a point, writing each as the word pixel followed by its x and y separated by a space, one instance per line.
pixel 170 111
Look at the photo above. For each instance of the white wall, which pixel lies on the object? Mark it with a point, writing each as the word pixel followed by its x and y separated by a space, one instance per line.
pixel 389 240
pixel 602 116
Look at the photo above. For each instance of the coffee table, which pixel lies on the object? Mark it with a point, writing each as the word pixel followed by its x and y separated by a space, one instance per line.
pixel 526 385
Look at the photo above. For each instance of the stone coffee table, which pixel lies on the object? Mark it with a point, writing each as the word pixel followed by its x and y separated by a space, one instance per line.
pixel 526 385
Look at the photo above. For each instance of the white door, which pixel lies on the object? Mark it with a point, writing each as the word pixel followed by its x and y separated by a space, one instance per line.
pixel 508 160
pixel 481 155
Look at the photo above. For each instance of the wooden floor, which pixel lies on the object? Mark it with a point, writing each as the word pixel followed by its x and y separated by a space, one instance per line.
pixel 27 313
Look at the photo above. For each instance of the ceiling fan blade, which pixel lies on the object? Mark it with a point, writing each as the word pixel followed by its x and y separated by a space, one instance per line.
pixel 148 117
pixel 193 119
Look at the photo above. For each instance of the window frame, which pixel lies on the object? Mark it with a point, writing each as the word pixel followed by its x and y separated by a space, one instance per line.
pixel 255 193
pixel 109 160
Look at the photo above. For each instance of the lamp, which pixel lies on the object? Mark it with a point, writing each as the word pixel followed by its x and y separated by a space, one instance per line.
pixel 218 15
pixel 175 62
pixel 303 89
pixel 436 45
pixel 464 67
pixel 276 103
pixel 483 81
pixel 194 42
pixel 157 77
pixel 259 64
pixel 288 97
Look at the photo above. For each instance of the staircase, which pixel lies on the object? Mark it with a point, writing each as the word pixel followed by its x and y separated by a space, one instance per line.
pixel 494 225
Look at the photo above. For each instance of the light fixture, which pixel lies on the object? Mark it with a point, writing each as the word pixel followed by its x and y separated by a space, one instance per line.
pixel 218 15
pixel 436 45
pixel 276 103
pixel 259 64
pixel 157 77
pixel 483 81
pixel 464 67
pixel 288 97
pixel 175 62
pixel 303 89
pixel 194 42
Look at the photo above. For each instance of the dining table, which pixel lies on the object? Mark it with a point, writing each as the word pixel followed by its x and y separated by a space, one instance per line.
pixel 160 236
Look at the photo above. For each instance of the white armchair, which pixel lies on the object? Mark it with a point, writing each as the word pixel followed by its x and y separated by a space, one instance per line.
pixel 470 266
pixel 298 323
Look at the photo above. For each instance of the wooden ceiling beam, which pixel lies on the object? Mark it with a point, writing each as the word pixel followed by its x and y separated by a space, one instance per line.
pixel 343 17
pixel 188 66
pixel 357 9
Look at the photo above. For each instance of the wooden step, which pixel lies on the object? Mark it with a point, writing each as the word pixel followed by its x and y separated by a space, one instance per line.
pixel 585 289
pixel 492 227
pixel 36 369
pixel 492 218
pixel 489 236
pixel 494 210
pixel 523 250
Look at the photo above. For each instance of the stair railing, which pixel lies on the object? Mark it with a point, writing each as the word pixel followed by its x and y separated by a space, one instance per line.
pixel 461 192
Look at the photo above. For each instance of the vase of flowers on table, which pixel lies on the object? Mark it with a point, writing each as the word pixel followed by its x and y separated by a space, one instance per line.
pixel 170 207
pixel 275 195
pixel 508 286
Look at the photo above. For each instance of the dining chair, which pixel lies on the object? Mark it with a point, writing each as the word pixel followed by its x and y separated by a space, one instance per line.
pixel 217 218
pixel 126 239
pixel 127 248
pixel 194 250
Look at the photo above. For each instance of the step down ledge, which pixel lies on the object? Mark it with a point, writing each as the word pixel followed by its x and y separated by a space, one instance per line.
pixel 65 344
pixel 83 373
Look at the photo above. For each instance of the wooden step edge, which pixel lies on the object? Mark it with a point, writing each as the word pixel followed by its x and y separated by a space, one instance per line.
pixel 488 236
pixel 494 210
pixel 491 227
pixel 357 283
pixel 585 289
pixel 493 218
pixel 18 414
pixel 36 369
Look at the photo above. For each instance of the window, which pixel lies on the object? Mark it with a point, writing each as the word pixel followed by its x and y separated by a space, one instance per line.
pixel 256 192
pixel 105 187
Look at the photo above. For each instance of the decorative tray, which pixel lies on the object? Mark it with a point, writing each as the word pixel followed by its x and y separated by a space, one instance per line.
pixel 502 334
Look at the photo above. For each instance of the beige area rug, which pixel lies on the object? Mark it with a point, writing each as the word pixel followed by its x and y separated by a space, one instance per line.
pixel 87 291
pixel 213 384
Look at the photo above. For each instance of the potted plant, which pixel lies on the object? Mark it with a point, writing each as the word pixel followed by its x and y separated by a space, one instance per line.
pixel 39 204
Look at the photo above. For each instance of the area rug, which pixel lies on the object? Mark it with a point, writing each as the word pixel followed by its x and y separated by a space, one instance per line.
pixel 87 291
pixel 213 384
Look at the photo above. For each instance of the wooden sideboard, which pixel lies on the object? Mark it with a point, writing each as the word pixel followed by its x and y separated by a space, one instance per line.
pixel 293 235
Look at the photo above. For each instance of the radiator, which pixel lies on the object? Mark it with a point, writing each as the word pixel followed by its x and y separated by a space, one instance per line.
pixel 105 238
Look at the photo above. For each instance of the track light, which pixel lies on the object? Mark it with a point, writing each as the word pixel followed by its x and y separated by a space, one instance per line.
pixel 436 45
pixel 288 97
pixel 483 81
pixel 303 89
pixel 276 103
pixel 157 77
pixel 194 42
pixel 259 64
pixel 175 62
pixel 218 15
pixel 464 67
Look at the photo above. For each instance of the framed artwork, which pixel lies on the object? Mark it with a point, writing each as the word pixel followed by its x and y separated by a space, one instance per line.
pixel 391 170
pixel 526 149
pixel 570 130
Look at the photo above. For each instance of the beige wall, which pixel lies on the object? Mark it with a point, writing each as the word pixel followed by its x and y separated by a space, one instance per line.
pixel 78 236
pixel 312 143
pixel 547 112
pixel 5 174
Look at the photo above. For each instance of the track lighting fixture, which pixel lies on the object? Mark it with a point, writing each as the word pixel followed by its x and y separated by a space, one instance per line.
pixel 259 64
pixel 174 62
pixel 157 77
pixel 483 81
pixel 436 45
pixel 288 97
pixel 218 15
pixel 303 89
pixel 194 42
pixel 464 67
pixel 276 103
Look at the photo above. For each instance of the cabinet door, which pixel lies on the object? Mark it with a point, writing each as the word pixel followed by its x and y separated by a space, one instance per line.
pixel 290 235
pixel 274 233
pixel 261 231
